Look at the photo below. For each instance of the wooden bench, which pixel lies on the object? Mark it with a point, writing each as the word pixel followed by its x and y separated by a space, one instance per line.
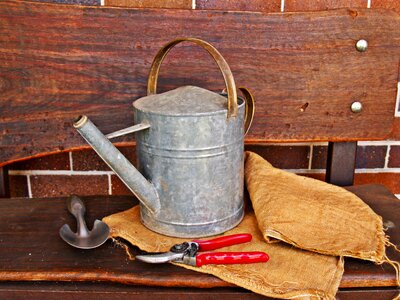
pixel 305 72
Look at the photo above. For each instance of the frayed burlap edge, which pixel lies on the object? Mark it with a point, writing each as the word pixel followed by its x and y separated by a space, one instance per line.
pixel 383 258
pixel 245 282
pixel 393 263
pixel 378 256
pixel 209 269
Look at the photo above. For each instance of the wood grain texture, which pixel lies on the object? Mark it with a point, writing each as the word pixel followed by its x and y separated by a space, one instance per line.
pixel 150 3
pixel 4 183
pixel 341 162
pixel 310 5
pixel 31 250
pixel 59 61
pixel 95 291
pixel 240 5
pixel 389 4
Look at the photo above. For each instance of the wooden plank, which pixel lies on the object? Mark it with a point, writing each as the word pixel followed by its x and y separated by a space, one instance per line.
pixel 58 61
pixel 341 163
pixel 150 3
pixel 4 183
pixel 31 250
pixel 93 290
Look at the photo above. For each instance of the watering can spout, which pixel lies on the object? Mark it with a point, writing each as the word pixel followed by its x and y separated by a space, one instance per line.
pixel 130 176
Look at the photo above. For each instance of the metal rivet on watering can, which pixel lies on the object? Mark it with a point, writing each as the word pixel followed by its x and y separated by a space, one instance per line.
pixel 356 107
pixel 362 45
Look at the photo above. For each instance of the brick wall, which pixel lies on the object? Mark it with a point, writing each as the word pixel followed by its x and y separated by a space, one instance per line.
pixel 85 174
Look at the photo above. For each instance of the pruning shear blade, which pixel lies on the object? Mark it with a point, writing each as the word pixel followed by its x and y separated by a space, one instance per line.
pixel 187 252
pixel 160 257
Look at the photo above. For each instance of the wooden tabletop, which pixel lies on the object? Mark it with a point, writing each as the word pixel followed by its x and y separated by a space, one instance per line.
pixel 34 258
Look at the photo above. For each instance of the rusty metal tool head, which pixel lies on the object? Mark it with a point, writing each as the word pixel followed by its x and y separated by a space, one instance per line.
pixel 83 238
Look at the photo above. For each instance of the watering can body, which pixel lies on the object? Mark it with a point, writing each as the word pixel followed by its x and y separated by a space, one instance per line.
pixel 194 160
pixel 190 153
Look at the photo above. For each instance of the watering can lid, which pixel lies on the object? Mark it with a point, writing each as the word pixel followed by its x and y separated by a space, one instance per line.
pixel 186 100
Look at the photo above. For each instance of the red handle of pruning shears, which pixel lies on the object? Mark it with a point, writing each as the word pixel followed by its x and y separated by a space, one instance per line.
pixel 230 258
pixel 224 241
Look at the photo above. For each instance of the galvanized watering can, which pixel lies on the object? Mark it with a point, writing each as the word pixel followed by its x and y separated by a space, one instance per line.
pixel 190 153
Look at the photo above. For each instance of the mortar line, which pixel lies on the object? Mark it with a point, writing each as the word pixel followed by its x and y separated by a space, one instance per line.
pixel 358 171
pixel 369 4
pixel 282 5
pixel 291 144
pixel 311 156
pixel 193 4
pixel 57 172
pixel 378 143
pixel 71 164
pixel 387 157
pixel 109 184
pixel 28 181
pixel 360 143
pixel 378 170
pixel 397 112
pixel 102 2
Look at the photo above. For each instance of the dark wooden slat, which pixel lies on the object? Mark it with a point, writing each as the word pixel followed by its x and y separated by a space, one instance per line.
pixel 93 290
pixel 341 162
pixel 59 61
pixel 31 250
pixel 4 183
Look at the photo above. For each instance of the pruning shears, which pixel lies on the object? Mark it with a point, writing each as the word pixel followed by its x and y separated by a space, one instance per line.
pixel 187 252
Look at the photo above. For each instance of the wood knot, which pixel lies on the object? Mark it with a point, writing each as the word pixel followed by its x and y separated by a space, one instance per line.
pixel 304 107
pixel 353 13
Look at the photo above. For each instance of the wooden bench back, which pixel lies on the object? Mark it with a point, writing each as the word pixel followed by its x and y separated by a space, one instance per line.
pixel 60 61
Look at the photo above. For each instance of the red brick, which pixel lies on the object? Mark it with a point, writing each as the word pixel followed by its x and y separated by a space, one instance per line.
pixel 394 157
pixel 150 3
pixel 390 180
pixel 370 157
pixel 389 4
pixel 283 157
pixel 64 185
pixel 18 186
pixel 51 162
pixel 118 187
pixel 313 5
pixel 319 157
pixel 239 5
pixel 88 160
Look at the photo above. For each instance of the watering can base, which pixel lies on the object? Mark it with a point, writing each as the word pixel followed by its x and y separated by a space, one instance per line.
pixel 191 230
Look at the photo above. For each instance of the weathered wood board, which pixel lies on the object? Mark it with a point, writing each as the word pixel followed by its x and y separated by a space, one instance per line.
pixel 59 61
pixel 31 250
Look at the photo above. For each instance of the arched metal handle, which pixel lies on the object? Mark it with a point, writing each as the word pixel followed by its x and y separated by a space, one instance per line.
pixel 249 109
pixel 222 64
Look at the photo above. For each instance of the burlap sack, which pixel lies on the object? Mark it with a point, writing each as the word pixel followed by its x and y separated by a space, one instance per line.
pixel 313 215
pixel 290 272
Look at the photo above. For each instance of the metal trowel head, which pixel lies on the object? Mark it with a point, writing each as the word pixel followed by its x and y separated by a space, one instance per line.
pixel 83 238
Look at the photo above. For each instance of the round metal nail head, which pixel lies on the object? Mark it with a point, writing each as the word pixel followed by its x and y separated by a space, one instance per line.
pixel 356 107
pixel 362 45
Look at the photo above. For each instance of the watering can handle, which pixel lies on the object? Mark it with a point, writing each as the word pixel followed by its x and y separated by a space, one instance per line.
pixel 222 64
pixel 249 108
